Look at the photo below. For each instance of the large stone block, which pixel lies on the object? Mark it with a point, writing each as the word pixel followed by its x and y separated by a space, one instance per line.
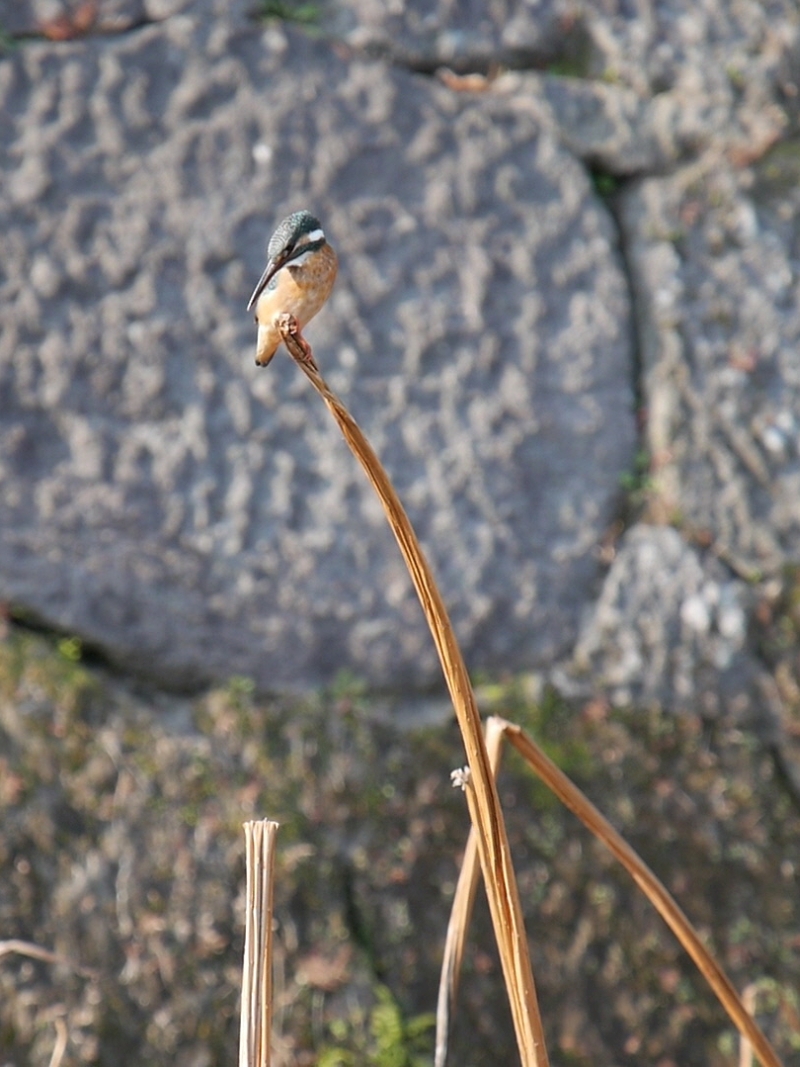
pixel 713 265
pixel 195 517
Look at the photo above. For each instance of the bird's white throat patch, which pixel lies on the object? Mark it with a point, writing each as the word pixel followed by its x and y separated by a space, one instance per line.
pixel 299 260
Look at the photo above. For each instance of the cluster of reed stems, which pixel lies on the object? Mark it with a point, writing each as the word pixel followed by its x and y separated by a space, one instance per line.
pixel 487 850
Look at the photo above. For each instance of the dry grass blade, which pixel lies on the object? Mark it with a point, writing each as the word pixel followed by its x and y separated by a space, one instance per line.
pixel 36 952
pixel 460 916
pixel 569 794
pixel 495 856
pixel 60 1046
pixel 256 1022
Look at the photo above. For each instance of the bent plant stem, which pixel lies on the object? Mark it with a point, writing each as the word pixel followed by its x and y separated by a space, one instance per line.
pixel 572 797
pixel 493 847
pixel 461 914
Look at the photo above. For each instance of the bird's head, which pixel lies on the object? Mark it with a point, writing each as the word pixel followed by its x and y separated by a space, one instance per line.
pixel 299 236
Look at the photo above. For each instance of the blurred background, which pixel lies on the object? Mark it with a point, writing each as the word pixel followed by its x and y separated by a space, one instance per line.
pixel 566 317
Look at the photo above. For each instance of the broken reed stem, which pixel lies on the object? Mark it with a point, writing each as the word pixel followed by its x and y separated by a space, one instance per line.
pixel 655 891
pixel 493 848
pixel 460 915
pixel 60 1045
pixel 749 995
pixel 256 1023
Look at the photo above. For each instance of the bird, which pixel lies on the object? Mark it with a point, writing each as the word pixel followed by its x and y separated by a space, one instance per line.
pixel 297 280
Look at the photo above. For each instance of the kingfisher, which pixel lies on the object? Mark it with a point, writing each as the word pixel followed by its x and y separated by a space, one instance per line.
pixel 298 279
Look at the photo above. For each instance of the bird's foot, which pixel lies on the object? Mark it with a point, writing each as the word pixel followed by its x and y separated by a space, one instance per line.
pixel 298 347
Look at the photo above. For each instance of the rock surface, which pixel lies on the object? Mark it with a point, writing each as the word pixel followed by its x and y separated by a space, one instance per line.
pixel 716 273
pixel 196 518
pixel 670 629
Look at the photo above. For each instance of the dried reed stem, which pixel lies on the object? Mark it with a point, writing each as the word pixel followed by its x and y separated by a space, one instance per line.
pixel 656 892
pixel 460 915
pixel 493 848
pixel 60 1045
pixel 256 1022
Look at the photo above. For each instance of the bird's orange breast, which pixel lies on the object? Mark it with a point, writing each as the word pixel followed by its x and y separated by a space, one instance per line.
pixel 299 291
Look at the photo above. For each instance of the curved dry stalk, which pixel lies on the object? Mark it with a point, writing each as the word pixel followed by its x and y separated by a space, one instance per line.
pixel 36 952
pixel 60 1044
pixel 655 891
pixel 460 915
pixel 493 848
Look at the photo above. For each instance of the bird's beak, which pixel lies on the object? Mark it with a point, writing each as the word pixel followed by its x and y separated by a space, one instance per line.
pixel 270 271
